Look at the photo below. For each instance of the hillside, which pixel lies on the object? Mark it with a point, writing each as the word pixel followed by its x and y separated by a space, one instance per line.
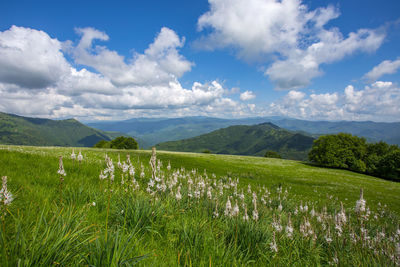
pixel 151 131
pixel 246 140
pixel 18 130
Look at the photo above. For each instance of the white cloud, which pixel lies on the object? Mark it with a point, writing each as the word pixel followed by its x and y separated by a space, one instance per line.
pixel 30 58
pixel 255 26
pixel 159 64
pixel 247 95
pixel 385 67
pixel 378 101
pixel 145 84
pixel 285 31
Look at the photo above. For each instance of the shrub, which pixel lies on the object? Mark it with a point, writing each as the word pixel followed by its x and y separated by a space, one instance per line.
pixel 272 154
pixel 124 143
pixel 102 144
pixel 120 142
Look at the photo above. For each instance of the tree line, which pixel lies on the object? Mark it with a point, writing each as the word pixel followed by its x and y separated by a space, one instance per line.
pixel 354 153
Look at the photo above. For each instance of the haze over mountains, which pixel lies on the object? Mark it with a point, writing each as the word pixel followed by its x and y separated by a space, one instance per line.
pixel 153 131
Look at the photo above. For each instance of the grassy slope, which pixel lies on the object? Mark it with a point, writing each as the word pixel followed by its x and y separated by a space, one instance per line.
pixel 246 140
pixel 169 234
pixel 301 177
pixel 31 131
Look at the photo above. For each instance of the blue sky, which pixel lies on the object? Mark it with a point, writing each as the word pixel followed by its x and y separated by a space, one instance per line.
pixel 102 60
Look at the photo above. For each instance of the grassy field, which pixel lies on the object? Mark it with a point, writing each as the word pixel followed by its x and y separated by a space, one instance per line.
pixel 191 210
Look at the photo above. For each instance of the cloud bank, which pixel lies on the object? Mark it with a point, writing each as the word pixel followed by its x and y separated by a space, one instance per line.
pixel 36 79
pixel 378 101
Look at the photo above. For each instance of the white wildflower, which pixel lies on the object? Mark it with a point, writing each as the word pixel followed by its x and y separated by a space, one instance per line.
pixel 312 212
pixel 341 216
pixel 119 162
pixel 228 208
pixel 102 175
pixel 80 157
pixel 289 228
pixel 255 215
pixel 61 170
pixel 273 245
pixel 280 207
pixel 169 166
pixel 73 155
pixel 360 204
pixel 178 195
pixel 235 210
pixel 305 208
pixel 276 224
pixel 151 183
pixel 125 167
pixel 5 196
pixel 209 193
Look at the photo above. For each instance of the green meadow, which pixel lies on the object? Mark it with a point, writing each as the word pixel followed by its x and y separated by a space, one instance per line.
pixel 189 209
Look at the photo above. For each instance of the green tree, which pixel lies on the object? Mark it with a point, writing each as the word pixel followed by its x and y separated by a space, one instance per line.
pixel 340 151
pixel 122 142
pixel 354 153
pixel 389 165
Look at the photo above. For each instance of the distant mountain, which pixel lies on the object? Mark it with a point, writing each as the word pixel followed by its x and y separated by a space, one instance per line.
pixel 246 140
pixel 151 131
pixel 388 132
pixel 17 130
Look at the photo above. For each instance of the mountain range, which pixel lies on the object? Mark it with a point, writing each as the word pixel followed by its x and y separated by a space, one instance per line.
pixel 18 130
pixel 151 131
pixel 157 130
pixel 246 140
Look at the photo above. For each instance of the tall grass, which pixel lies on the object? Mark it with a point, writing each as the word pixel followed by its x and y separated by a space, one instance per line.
pixel 141 219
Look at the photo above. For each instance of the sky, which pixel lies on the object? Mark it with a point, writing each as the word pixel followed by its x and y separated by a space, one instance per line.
pixel 113 60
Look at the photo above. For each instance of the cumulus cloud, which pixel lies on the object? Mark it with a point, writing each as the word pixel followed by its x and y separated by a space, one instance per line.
pixel 160 63
pixel 290 34
pixel 247 95
pixel 30 58
pixel 378 101
pixel 385 67
pixel 146 83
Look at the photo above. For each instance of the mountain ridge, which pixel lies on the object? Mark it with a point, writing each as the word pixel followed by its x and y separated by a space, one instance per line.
pixel 253 140
pixel 20 130
pixel 157 130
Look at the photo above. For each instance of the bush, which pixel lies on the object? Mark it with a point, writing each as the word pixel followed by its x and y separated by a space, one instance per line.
pixel 102 144
pixel 124 143
pixel 120 142
pixel 272 154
